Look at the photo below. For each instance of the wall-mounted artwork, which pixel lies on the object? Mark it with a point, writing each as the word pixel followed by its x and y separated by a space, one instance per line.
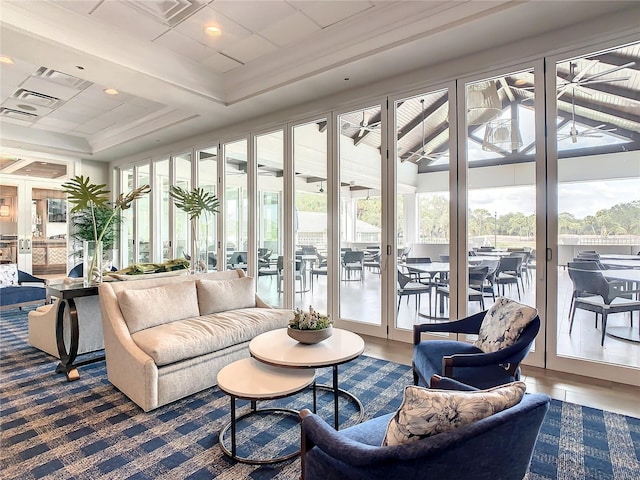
pixel 56 210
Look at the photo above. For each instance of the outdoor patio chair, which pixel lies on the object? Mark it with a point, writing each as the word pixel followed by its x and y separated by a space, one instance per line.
pixel 407 287
pixel 300 274
pixel 373 263
pixel 353 261
pixel 592 292
pixel 509 271
pixel 421 277
pixel 477 279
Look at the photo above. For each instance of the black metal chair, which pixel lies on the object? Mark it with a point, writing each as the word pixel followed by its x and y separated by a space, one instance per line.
pixel 592 292
pixel 353 261
pixel 509 271
pixel 477 279
pixel 408 287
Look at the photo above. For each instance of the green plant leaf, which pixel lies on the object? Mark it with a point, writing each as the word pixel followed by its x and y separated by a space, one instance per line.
pixel 83 194
pixel 194 202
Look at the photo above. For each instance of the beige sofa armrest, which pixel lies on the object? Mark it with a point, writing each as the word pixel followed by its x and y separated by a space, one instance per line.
pixel 127 364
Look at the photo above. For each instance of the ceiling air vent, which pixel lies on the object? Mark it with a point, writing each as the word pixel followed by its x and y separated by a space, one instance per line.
pixel 61 78
pixel 17 114
pixel 36 98
pixel 170 12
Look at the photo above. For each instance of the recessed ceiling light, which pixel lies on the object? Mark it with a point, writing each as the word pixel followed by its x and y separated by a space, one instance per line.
pixel 28 108
pixel 111 91
pixel 519 82
pixel 79 67
pixel 4 59
pixel 212 30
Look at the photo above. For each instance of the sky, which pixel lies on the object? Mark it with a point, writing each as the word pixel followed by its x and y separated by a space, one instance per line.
pixel 581 199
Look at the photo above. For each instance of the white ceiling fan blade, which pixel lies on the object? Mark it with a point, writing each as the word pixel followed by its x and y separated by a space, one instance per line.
pixel 611 70
pixel 584 71
pixel 604 80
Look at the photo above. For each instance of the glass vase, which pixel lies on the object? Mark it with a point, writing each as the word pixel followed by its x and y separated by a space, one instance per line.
pixel 92 263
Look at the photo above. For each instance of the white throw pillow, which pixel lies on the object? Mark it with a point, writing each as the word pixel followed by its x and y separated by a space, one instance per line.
pixel 9 274
pixel 149 307
pixel 503 324
pixel 425 412
pixel 221 295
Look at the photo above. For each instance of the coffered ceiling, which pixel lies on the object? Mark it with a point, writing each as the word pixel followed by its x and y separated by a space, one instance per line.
pixel 175 81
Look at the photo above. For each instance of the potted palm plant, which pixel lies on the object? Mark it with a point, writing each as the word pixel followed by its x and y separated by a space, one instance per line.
pixel 92 201
pixel 195 203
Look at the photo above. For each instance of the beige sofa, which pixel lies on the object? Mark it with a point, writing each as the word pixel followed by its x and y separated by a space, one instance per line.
pixel 167 338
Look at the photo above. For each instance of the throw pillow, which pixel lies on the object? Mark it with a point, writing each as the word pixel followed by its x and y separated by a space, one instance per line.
pixel 425 412
pixel 9 274
pixel 503 324
pixel 221 295
pixel 149 307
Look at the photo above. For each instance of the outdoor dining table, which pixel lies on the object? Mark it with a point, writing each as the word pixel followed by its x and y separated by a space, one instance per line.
pixel 619 256
pixel 435 268
pixel 631 264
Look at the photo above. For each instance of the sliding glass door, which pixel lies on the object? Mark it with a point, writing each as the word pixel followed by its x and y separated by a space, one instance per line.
pixel 596 239
pixel 422 177
pixel 359 175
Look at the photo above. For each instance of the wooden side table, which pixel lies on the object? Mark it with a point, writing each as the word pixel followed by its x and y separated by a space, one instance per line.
pixel 67 294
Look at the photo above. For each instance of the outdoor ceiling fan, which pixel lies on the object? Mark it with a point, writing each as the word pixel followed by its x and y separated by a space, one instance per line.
pixel 574 133
pixel 581 79
pixel 422 153
pixel 364 125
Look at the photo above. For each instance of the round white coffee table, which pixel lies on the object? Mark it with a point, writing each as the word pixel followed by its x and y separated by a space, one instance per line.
pixel 278 349
pixel 249 379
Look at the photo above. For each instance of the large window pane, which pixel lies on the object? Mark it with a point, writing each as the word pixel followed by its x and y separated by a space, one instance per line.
pixel 598 205
pixel 269 150
pixel 207 180
pixel 422 215
pixel 310 223
pixel 162 209
pixel 182 169
pixel 236 215
pixel 501 193
pixel 360 214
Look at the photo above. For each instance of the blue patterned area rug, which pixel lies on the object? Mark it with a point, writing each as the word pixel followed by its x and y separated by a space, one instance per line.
pixel 89 430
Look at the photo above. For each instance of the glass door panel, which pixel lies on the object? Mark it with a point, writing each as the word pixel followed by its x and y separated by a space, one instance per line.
pixel 501 175
pixel 207 180
pixel 162 224
pixel 360 180
pixel 269 151
pixel 8 224
pixel 310 215
pixel 182 225
pixel 143 217
pixel 598 222
pixel 422 206
pixel 48 231
pixel 235 207
pixel 127 231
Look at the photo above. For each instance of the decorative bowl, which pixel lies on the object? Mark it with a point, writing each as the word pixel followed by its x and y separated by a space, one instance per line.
pixel 310 337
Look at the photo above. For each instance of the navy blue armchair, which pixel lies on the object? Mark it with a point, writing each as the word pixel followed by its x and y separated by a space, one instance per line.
pixel 463 361
pixel 499 446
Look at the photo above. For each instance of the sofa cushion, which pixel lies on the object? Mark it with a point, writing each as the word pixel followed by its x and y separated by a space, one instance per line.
pixel 8 274
pixel 425 412
pixel 503 324
pixel 146 308
pixel 193 337
pixel 221 295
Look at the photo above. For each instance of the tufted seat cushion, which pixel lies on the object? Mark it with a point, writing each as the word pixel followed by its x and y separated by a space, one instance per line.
pixel 192 337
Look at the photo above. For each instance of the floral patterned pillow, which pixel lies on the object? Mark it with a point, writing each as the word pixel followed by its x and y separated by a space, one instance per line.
pixel 503 324
pixel 9 274
pixel 425 412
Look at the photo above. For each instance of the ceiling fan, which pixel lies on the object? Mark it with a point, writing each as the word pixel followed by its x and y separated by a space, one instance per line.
pixel 422 153
pixel 364 125
pixel 581 79
pixel 574 133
